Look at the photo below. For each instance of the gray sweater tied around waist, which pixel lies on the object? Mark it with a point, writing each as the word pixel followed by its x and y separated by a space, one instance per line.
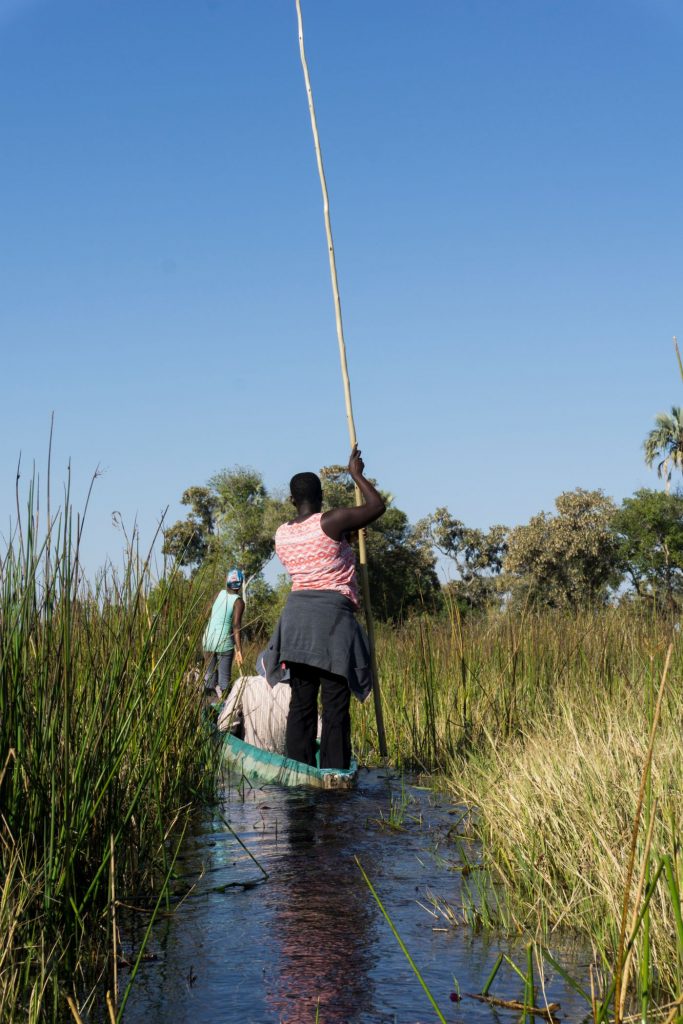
pixel 319 628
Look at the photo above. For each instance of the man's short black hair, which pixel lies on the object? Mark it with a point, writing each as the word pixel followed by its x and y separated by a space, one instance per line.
pixel 306 487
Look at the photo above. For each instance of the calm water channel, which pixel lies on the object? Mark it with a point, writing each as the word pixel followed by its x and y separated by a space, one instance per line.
pixel 310 939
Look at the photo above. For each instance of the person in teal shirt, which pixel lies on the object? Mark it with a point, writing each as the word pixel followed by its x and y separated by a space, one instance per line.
pixel 221 640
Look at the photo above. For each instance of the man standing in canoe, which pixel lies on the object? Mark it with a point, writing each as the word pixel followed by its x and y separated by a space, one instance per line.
pixel 221 640
pixel 318 638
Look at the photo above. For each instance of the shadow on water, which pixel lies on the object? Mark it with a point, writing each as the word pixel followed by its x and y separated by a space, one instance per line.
pixel 309 943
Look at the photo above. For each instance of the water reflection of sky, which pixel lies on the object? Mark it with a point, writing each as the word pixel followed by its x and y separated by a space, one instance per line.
pixel 310 939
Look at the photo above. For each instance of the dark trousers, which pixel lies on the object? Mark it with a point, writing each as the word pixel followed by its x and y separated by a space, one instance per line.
pixel 302 721
pixel 217 670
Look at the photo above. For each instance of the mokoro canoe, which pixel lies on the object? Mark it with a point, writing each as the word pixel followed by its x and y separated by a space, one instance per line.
pixel 268 767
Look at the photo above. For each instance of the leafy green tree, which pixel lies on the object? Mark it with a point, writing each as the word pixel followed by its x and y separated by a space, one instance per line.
pixel 665 442
pixel 265 605
pixel 247 517
pixel 401 565
pixel 231 522
pixel 565 560
pixel 189 540
pixel 477 556
pixel 649 529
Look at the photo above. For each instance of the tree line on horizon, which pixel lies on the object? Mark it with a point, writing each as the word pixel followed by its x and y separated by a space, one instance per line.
pixel 588 552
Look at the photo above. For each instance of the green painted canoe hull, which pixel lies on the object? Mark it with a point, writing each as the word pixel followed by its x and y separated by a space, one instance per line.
pixel 274 768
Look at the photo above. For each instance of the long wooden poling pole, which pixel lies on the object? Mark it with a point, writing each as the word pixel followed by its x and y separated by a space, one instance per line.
pixel 362 550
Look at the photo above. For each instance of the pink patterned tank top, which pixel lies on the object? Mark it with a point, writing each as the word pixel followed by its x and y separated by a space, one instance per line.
pixel 314 560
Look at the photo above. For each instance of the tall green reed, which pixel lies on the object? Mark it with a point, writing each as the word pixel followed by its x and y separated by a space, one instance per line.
pixel 102 753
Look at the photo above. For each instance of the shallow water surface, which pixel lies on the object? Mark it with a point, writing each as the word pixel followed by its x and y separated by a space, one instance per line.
pixel 309 943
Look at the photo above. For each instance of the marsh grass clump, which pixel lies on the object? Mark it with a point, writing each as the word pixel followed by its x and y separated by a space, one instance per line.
pixel 541 721
pixel 559 809
pixel 102 753
pixel 453 685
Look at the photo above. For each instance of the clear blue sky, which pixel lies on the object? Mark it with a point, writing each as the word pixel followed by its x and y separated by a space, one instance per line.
pixel 505 181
